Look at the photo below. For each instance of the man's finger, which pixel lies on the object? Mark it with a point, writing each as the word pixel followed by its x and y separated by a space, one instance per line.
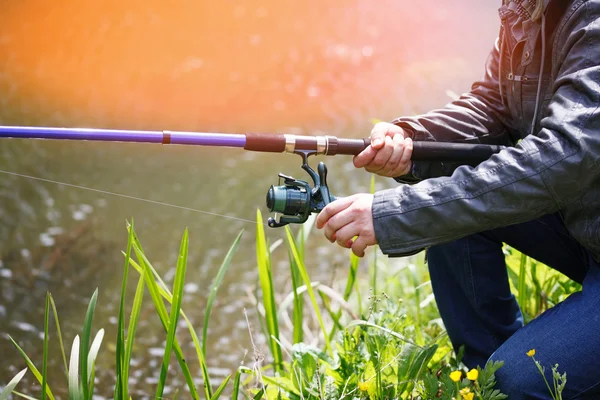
pixel 365 157
pixel 337 222
pixel 332 209
pixel 346 233
pixel 359 246
pixel 378 136
pixel 403 166
pixel 396 156
pixel 382 157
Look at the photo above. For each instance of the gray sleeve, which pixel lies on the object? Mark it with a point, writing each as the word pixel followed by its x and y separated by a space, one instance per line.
pixel 545 172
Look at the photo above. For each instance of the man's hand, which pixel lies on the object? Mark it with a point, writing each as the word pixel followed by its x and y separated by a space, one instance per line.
pixel 389 153
pixel 349 217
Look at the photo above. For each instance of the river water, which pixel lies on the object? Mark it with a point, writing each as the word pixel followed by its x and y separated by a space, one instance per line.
pixel 232 66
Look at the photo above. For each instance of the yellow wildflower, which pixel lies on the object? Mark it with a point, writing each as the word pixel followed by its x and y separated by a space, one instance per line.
pixel 363 386
pixel 466 393
pixel 473 374
pixel 455 376
pixel 531 353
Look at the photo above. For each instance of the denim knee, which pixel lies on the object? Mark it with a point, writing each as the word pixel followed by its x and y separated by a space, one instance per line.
pixel 519 378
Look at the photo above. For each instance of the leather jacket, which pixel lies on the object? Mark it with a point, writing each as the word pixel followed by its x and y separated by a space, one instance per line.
pixel 540 91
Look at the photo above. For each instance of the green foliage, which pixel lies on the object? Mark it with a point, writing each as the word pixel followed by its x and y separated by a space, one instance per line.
pixel 263 260
pixel 536 286
pixel 80 370
pixel 395 349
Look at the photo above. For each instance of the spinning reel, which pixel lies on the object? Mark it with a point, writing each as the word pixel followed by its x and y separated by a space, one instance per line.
pixel 295 199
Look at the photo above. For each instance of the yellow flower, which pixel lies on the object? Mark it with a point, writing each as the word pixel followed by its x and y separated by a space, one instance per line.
pixel 363 386
pixel 531 353
pixel 455 376
pixel 466 393
pixel 473 374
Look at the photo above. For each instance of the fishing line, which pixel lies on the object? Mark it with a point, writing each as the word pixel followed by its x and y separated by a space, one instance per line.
pixel 126 196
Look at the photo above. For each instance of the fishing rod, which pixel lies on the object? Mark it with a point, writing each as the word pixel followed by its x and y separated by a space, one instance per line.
pixel 295 199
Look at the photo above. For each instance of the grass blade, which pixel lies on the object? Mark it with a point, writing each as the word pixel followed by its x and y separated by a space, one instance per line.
pixel 522 283
pixel 162 313
pixel 45 350
pixel 121 387
pixel 166 294
pixel 133 319
pixel 237 381
pixel 215 286
pixel 374 265
pixel 219 391
pixel 58 331
pixel 32 367
pixel 175 307
pixel 85 345
pixel 74 393
pixel 311 293
pixel 298 310
pixel 263 261
pixel 23 395
pixel 94 348
pixel 12 384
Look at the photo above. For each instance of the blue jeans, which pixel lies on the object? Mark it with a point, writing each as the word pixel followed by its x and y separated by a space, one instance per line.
pixel 470 283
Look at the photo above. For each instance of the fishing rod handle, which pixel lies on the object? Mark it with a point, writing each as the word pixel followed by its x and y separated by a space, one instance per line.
pixel 429 151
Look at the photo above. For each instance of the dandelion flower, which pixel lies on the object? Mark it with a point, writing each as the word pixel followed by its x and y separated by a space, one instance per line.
pixel 473 374
pixel 531 353
pixel 455 376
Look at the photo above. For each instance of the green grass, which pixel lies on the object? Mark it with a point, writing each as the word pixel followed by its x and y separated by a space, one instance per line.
pixel 387 343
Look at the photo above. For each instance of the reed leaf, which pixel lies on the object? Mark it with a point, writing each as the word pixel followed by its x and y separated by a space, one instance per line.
pixel 237 381
pixel 74 384
pixel 45 348
pixel 58 331
pixel 298 310
pixel 121 387
pixel 220 389
pixel 32 367
pixel 23 395
pixel 374 265
pixel 215 287
pixel 175 308
pixel 85 345
pixel 311 293
pixel 93 354
pixel 166 294
pixel 266 282
pixel 128 343
pixel 522 283
pixel 12 384
pixel 162 313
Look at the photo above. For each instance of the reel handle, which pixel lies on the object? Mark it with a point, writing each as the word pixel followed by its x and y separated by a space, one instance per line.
pixel 430 151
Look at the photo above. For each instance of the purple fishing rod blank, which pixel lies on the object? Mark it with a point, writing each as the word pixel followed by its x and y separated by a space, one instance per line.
pixel 121 135
pixel 109 135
